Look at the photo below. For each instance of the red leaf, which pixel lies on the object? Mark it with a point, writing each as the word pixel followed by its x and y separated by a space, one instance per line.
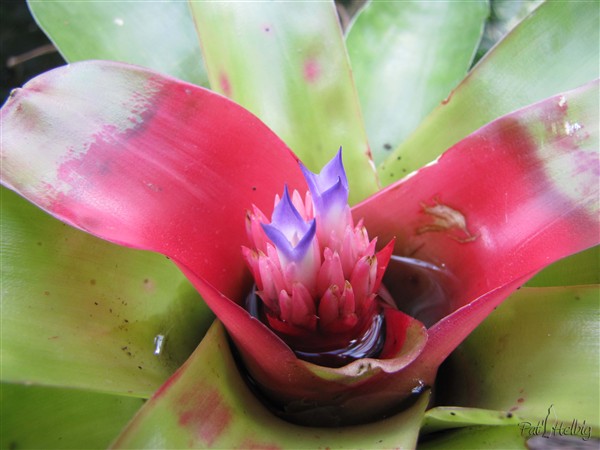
pixel 515 196
pixel 146 161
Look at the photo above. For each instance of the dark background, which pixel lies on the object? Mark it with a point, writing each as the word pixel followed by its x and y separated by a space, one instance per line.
pixel 25 51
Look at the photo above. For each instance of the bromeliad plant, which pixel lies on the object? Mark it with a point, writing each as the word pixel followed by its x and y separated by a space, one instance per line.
pixel 338 316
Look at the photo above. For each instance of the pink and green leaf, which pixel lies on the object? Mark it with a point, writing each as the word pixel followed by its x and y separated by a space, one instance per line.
pixel 207 404
pixel 200 225
pixel 80 312
pixel 291 70
pixel 157 35
pixel 406 58
pixel 533 62
pixel 365 390
pixel 538 204
pixel 99 176
pixel 147 161
pixel 52 418
pixel 581 268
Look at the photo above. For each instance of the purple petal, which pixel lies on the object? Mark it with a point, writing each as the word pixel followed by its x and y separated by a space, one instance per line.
pixel 289 232
pixel 329 188
pixel 287 218
pixel 284 246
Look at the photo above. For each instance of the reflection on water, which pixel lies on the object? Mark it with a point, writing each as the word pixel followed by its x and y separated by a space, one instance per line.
pixel 419 289
pixel 366 340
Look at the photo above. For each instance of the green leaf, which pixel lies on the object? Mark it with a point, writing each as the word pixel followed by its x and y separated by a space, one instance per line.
pixel 80 312
pixel 538 350
pixel 461 428
pixel 157 35
pixel 207 404
pixel 536 60
pixel 41 417
pixel 581 268
pixel 447 417
pixel 478 437
pixel 504 16
pixel 286 62
pixel 406 58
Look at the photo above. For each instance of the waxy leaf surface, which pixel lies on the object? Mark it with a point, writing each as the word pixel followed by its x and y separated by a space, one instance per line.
pixel 38 417
pixel 504 16
pixel 406 58
pixel 478 437
pixel 538 351
pixel 449 417
pixel 536 60
pixel 157 35
pixel 207 404
pixel 81 312
pixel 290 68
pixel 581 268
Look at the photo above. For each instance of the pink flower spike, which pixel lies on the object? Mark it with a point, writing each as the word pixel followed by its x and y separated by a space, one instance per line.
pixel 336 310
pixel 355 245
pixel 254 230
pixel 303 307
pixel 328 306
pixel 383 258
pixel 272 279
pixel 252 259
pixel 319 290
pixel 363 278
pixel 347 305
pixel 330 273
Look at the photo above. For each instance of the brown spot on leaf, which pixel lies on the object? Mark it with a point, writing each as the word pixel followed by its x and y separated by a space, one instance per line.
pixel 447 99
pixel 446 219
pixel 149 285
